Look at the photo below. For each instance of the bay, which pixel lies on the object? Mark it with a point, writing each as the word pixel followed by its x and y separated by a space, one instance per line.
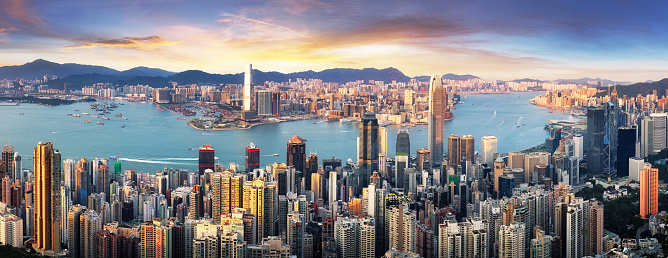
pixel 152 138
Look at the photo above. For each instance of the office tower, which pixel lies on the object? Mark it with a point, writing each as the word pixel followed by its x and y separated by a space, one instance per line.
pixel 382 141
pixel 649 191
pixel 296 155
pixel 89 224
pixel 646 137
pixel 595 228
pixel 401 164
pixel 488 149
pixel 610 139
pixel 530 162
pixel 401 225
pixel 460 148
pixel 515 159
pixel 659 131
pixel 499 166
pixel 345 235
pixel 435 119
pixel 295 234
pixel 422 162
pixel 635 166
pixel 73 227
pixel 541 244
pixel 248 87
pixel 626 149
pixel 367 237
pixel 263 100
pixel 11 230
pixel 18 169
pixel 332 188
pixel 47 172
pixel 453 150
pixel 368 148
pixel 206 159
pixel 252 157
pixel 593 141
pixel 511 240
pixel 69 170
pixel 578 145
pixel 403 142
pixel 311 169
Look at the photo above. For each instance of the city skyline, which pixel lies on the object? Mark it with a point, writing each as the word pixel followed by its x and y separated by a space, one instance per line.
pixel 496 41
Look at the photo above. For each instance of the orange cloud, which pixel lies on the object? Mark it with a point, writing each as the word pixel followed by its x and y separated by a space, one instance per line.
pixel 18 10
pixel 141 43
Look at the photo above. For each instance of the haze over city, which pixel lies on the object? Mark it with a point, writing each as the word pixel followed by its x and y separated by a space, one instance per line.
pixel 504 40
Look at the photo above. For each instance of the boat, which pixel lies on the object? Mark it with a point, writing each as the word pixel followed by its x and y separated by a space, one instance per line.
pixel 76 110
pixel 96 116
pixel 517 126
pixel 76 115
pixel 122 126
pixel 105 118
pixel 551 111
pixel 315 122
pixel 275 154
pixel 85 114
pixel 87 121
pixel 119 115
pixel 125 118
pixel 20 113
pixel 100 123
pixel 69 114
pixel 100 114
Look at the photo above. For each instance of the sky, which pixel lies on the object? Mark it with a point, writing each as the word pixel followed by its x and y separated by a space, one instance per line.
pixel 503 40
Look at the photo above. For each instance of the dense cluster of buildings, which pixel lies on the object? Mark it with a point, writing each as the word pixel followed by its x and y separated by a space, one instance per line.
pixel 458 200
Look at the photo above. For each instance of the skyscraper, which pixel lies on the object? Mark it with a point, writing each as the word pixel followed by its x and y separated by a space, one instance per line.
pixel 47 172
pixel 488 149
pixel 296 154
pixel 511 240
pixel 626 149
pixel 73 228
pixel 311 169
pixel 649 191
pixel 7 162
pixel 263 99
pixel 423 159
pixel 248 87
pixel 382 140
pixel 460 148
pixel 252 157
pixel 659 131
pixel 593 141
pixel 206 159
pixel 578 145
pixel 403 142
pixel 646 137
pixel 436 108
pixel 401 224
pixel 368 148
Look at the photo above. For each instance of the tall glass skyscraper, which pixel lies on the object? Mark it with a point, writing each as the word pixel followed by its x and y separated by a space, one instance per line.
pixel 403 142
pixel 368 148
pixel 46 167
pixel 436 107
pixel 248 87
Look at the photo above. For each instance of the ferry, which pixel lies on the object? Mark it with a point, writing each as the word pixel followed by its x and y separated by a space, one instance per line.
pixel 87 121
pixel 85 114
pixel 76 110
pixel 551 111
pixel 100 123
pixel 105 118
pixel 275 154
pixel 119 115
pixel 76 115
pixel 96 116
pixel 20 113
pixel 69 114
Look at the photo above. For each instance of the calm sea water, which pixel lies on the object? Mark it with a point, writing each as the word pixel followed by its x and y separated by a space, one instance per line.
pixel 152 139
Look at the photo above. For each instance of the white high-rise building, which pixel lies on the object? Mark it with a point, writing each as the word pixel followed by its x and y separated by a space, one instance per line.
pixel 11 230
pixel 345 235
pixel 511 240
pixel 578 146
pixel 382 140
pixel 646 137
pixel 436 109
pixel 366 237
pixel 332 187
pixel 575 222
pixel 248 88
pixel 68 173
pixel 659 131
pixel 487 149
pixel 635 166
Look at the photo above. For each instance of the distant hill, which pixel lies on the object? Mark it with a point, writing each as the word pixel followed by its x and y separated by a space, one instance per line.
pixel 145 71
pixel 40 67
pixel 449 76
pixel 604 82
pixel 642 88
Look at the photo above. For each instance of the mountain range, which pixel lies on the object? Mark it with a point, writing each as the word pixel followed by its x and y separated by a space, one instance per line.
pixel 76 76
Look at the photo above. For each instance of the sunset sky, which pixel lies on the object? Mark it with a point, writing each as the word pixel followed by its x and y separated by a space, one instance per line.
pixel 618 40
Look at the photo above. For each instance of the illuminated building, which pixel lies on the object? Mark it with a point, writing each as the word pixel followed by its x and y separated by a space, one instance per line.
pixel 47 172
pixel 436 109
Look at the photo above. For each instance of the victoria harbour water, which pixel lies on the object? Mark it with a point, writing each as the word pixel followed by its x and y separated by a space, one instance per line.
pixel 152 139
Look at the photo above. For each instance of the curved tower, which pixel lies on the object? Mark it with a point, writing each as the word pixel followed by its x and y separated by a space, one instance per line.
pixel 436 119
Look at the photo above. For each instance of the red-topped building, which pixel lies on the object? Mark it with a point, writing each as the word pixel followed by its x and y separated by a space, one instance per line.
pixel 252 157
pixel 206 158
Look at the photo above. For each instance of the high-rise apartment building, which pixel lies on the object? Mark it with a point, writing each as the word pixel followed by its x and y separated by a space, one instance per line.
pixel 206 159
pixel 401 224
pixel 345 235
pixel 227 193
pixel 488 149
pixel 595 228
pixel 511 240
pixel 435 119
pixel 263 99
pixel 46 194
pixel 73 227
pixel 89 224
pixel 11 230
pixel 578 145
pixel 649 191
pixel 382 140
